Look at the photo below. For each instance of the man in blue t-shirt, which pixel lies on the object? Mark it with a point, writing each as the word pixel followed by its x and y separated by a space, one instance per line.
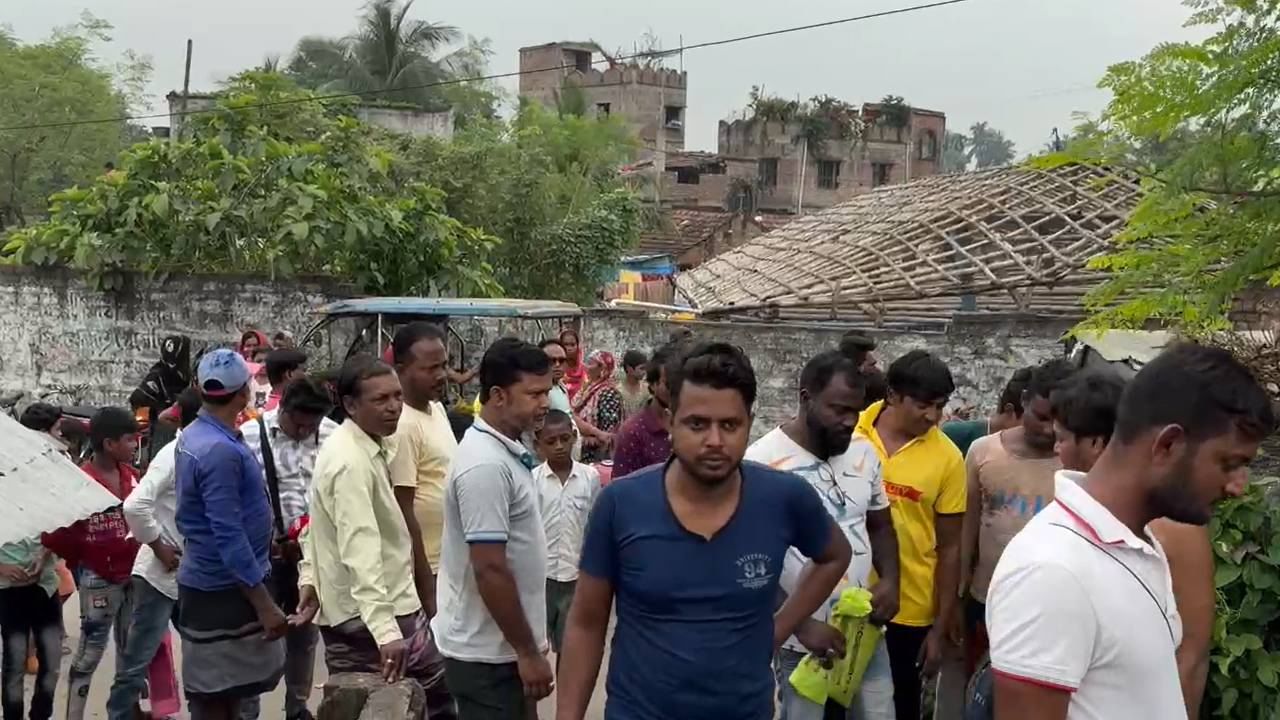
pixel 691 552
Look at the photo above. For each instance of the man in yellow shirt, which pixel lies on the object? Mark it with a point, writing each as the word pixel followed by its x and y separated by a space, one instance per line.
pixel 925 481
pixel 356 548
pixel 425 447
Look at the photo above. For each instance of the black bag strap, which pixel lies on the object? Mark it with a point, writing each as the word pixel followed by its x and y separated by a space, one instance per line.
pixel 273 479
pixel 1164 615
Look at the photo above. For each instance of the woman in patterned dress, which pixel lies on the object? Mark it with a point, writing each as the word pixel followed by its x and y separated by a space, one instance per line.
pixel 598 407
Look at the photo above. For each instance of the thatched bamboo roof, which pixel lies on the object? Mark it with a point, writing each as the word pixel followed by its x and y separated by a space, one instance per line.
pixel 994 242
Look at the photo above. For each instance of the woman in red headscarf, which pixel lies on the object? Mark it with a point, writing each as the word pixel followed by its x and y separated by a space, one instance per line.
pixel 575 371
pixel 598 407
pixel 253 345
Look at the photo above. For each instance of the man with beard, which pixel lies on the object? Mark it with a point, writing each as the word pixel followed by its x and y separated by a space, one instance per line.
pixel 693 552
pixel 818 445
pixel 1010 479
pixel 425 448
pixel 1081 610
pixel 492 619
pixel 1084 416
pixel 643 439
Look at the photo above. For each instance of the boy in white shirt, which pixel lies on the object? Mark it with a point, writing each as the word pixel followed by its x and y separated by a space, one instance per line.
pixel 566 491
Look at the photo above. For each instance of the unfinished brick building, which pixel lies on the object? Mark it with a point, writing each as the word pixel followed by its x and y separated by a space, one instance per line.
pixel 651 100
pixel 839 169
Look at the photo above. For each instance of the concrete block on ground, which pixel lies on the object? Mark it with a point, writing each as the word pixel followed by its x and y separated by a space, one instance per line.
pixel 366 696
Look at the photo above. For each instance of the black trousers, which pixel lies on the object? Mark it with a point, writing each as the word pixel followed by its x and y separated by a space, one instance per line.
pixel 904 643
pixel 485 691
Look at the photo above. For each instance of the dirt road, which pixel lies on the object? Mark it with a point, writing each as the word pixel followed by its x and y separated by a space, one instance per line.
pixel 272 705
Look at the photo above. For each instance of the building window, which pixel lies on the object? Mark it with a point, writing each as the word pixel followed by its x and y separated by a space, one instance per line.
pixel 828 174
pixel 602 110
pixel 767 169
pixel 581 60
pixel 928 145
pixel 688 176
pixel 880 173
pixel 672 116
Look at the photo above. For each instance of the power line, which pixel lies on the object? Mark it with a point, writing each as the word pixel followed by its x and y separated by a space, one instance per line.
pixel 495 76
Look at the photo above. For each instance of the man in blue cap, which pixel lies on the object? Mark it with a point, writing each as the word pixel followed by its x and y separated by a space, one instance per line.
pixel 231 628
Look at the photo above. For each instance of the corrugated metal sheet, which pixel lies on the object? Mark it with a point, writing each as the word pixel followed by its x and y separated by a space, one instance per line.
pixel 462 307
pixel 41 489
pixel 1137 347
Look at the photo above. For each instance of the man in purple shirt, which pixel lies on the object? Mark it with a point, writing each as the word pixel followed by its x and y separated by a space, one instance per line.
pixel 643 439
pixel 231 628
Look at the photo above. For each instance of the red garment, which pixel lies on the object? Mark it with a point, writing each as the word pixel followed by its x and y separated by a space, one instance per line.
pixel 173 414
pixel 101 541
pixel 642 441
pixel 263 343
pixel 575 374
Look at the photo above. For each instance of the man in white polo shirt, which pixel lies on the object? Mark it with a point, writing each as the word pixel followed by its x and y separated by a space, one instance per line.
pixel 1080 610
pixel 491 625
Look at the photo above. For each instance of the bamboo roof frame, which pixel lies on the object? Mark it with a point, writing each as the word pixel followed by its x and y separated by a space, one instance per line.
pixel 996 242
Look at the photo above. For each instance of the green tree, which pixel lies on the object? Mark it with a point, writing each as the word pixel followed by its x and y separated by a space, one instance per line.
pixel 260 186
pixel 988 146
pixel 396 58
pixel 1198 124
pixel 548 185
pixel 60 80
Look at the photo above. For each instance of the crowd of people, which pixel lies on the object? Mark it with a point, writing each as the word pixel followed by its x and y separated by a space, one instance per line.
pixel 1052 558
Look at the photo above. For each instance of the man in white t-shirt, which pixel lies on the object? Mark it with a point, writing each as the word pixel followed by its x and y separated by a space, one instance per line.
pixel 1080 609
pixel 818 445
pixel 150 513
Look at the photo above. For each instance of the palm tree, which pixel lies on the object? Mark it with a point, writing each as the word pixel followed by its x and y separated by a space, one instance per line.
pixel 391 56
pixel 989 147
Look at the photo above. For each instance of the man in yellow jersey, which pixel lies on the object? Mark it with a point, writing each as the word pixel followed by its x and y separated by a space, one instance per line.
pixel 925 481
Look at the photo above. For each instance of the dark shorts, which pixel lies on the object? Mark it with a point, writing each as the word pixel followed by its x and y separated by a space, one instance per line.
pixel 485 691
pixel 224 655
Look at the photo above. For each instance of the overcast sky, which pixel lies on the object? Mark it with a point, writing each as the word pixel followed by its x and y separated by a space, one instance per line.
pixel 1024 66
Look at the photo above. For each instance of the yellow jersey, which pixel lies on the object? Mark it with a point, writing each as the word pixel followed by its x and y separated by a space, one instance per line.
pixel 923 479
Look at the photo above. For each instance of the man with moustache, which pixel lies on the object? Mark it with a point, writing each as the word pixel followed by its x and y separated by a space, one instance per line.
pixel 818 445
pixel 1081 609
pixel 356 550
pixel 692 551
pixel 425 447
pixel 492 619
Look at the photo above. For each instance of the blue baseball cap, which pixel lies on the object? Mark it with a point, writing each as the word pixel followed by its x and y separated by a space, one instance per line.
pixel 222 372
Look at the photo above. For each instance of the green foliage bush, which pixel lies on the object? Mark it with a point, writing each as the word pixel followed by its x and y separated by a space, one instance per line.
pixel 270 184
pixel 1244 670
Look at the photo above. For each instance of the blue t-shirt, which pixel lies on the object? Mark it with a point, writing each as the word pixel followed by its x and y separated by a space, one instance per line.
pixel 694 635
